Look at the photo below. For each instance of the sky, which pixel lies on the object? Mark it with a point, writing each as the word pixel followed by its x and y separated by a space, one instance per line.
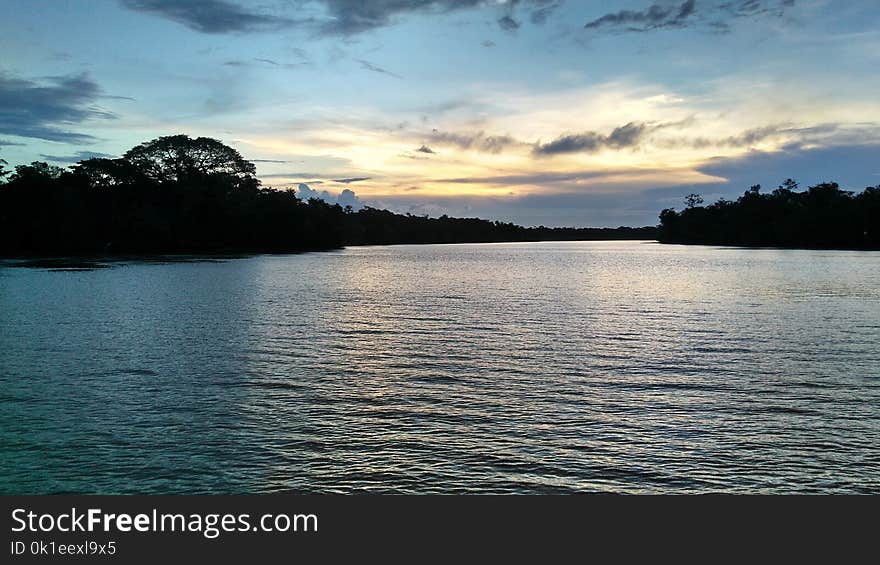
pixel 541 112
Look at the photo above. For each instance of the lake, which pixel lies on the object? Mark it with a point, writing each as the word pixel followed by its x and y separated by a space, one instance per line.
pixel 554 367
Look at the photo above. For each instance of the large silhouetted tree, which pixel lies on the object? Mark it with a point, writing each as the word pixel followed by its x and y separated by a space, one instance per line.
pixel 181 158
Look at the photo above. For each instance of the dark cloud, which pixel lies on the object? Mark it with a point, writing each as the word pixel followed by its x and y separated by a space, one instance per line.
pixel 627 136
pixel 488 43
pixel 339 17
pixel 715 15
pixel 76 158
pixel 425 149
pixel 479 141
pixel 350 180
pixel 654 17
pixel 749 8
pixel 507 23
pixel 376 69
pixel 30 109
pixel 349 17
pixel 210 16
pixel 269 161
pixel 540 11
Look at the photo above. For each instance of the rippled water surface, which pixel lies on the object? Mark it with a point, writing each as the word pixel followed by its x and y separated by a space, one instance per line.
pixel 546 367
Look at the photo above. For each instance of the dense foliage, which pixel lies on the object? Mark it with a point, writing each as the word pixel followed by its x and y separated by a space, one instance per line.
pixel 176 194
pixel 823 216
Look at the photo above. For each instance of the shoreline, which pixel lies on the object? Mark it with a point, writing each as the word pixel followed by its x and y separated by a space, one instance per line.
pixel 87 262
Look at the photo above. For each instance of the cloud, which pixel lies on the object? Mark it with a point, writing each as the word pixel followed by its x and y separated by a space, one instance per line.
pixel 488 43
pixel 30 109
pixel 260 62
pixel 425 149
pixel 269 161
pixel 627 136
pixel 350 180
pixel 335 17
pixel 348 198
pixel 654 17
pixel 824 135
pixel 376 69
pixel 210 16
pixel 562 179
pixel 540 11
pixel 350 17
pixel 76 158
pixel 507 23
pixel 716 15
pixel 345 198
pixel 6 142
pixel 478 141
pixel 540 15
pixel 636 134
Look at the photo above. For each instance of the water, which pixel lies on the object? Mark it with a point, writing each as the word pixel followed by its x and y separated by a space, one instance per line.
pixel 548 367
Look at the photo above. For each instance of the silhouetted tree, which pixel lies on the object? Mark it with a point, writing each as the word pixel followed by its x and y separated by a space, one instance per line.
pixel 181 158
pixel 38 171
pixel 693 200
pixel 822 216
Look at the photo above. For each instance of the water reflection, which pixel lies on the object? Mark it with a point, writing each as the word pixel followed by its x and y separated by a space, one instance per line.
pixel 551 367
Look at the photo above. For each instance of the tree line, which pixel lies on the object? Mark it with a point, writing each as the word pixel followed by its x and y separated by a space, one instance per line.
pixel 177 194
pixel 822 216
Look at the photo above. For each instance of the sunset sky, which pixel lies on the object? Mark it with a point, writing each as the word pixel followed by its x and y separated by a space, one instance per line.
pixel 546 112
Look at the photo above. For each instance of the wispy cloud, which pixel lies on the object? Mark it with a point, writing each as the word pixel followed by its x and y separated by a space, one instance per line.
pixel 262 62
pixel 376 68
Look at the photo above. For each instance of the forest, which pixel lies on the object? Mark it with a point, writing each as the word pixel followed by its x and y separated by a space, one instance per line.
pixel 182 195
pixel 823 216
